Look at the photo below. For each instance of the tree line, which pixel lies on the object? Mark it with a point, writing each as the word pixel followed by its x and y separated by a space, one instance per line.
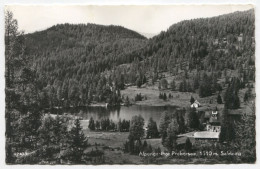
pixel 109 125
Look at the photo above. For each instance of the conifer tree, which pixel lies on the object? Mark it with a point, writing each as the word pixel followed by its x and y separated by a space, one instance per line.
pixel 91 124
pixel 219 99
pixel 77 142
pixel 173 85
pixel 192 100
pixel 136 128
pixel 194 122
pixel 164 122
pixel 172 131
pixel 188 145
pixel 152 131
pixel 227 128
pixel 181 122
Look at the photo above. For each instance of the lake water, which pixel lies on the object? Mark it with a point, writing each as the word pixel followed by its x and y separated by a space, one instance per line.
pixel 122 112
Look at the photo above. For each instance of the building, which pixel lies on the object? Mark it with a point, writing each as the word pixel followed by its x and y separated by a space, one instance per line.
pixel 206 135
pixel 196 104
pixel 214 124
pixel 213 128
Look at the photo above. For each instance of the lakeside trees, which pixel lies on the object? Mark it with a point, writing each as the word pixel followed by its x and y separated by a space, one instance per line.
pixel 134 144
pixel 136 131
pixel 109 125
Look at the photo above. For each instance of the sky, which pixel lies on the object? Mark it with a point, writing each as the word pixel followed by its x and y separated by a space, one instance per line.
pixel 143 19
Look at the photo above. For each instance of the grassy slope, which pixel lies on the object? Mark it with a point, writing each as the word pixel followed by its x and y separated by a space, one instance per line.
pixel 181 99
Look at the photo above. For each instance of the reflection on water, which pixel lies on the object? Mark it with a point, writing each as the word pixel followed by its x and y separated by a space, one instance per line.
pixel 118 113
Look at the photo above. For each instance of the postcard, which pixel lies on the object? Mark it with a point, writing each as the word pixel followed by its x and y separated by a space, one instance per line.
pixel 130 84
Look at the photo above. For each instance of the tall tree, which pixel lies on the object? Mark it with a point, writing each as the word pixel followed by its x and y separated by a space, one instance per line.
pixel 173 85
pixel 171 140
pixel 227 133
pixel 188 145
pixel 164 122
pixel 231 98
pixel 152 131
pixel 11 34
pixel 192 100
pixel 60 129
pixel 181 122
pixel 164 83
pixel 91 124
pixel 194 122
pixel 219 99
pixel 46 132
pixel 77 142
pixel 245 140
pixel 136 131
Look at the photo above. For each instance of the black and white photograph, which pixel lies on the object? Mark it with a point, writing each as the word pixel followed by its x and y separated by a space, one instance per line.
pixel 129 84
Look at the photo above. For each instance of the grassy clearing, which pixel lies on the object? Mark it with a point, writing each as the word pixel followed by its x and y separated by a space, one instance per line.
pixel 182 99
pixel 112 144
pixel 115 139
pixel 110 139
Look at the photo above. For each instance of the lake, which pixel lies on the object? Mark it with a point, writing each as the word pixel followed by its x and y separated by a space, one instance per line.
pixel 122 112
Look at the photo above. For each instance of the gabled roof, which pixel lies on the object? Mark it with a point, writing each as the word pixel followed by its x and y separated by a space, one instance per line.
pixel 207 134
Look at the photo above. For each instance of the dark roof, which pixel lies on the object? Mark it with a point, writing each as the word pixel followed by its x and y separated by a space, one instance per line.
pixel 213 120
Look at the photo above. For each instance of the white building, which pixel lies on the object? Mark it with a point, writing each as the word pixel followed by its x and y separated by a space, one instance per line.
pixel 196 104
pixel 213 129
pixel 206 135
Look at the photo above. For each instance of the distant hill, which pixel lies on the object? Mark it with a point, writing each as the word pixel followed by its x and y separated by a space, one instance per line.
pixel 65 36
pixel 92 47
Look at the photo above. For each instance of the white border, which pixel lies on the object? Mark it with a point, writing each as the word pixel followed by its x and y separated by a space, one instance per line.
pixel 121 2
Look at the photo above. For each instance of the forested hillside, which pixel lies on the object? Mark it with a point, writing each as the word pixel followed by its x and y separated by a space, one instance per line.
pixel 69 60
pixel 200 52
pixel 216 43
pixel 78 64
